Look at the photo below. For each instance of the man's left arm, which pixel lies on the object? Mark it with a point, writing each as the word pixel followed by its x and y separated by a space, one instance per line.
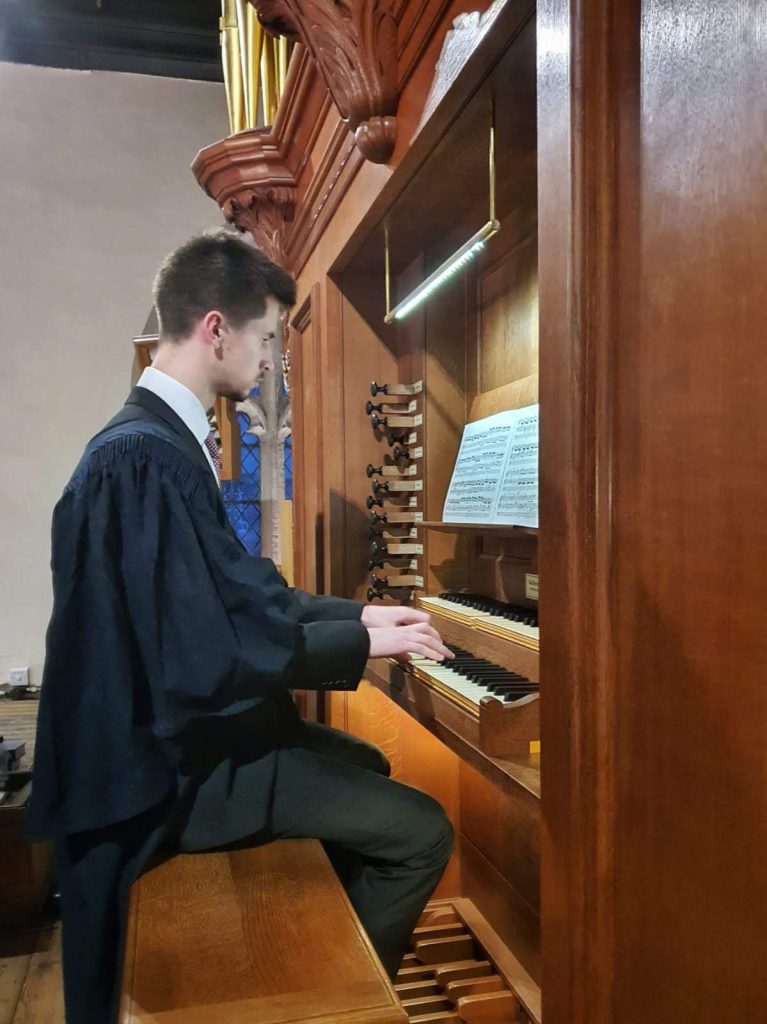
pixel 316 608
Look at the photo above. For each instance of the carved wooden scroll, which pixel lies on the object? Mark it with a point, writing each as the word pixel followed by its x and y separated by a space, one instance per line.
pixel 354 45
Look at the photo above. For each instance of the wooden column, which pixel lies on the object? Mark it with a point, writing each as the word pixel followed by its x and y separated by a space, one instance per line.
pixel 654 456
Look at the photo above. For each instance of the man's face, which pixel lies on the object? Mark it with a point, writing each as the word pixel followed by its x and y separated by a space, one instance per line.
pixel 246 353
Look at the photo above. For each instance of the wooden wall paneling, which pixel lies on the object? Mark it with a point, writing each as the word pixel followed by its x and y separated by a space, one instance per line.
pixel 339 167
pixel 516 395
pixel 28 865
pixel 424 25
pixel 297 429
pixel 444 419
pixel 577 89
pixel 307 424
pixel 507 297
pixel 500 565
pixel 337 711
pixel 499 902
pixel 144 347
pixel 690 443
pixel 333 453
pixel 502 374
pixel 369 354
pixel 307 427
pixel 504 827
pixel 231 443
pixel 409 335
pixel 651 279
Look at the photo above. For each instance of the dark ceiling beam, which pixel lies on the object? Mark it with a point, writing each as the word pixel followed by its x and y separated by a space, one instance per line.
pixel 92 41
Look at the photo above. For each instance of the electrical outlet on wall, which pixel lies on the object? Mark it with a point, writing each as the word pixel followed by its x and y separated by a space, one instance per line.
pixel 19 676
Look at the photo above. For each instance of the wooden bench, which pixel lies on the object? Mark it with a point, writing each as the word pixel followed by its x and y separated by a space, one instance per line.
pixel 256 936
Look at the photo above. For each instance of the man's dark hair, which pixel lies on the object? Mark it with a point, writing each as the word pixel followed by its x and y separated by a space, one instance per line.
pixel 217 270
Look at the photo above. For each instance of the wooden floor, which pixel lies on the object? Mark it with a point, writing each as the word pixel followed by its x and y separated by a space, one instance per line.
pixel 30 961
pixel 30 977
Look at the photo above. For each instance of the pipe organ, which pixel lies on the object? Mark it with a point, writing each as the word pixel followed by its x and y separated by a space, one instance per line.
pixel 600 765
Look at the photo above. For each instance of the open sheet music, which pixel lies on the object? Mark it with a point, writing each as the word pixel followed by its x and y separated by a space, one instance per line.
pixel 495 479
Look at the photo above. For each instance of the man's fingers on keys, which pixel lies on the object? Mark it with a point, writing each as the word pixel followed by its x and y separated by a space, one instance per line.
pixel 423 629
pixel 412 616
pixel 433 651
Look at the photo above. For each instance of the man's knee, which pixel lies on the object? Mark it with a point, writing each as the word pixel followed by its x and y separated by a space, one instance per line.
pixel 436 832
pixel 375 760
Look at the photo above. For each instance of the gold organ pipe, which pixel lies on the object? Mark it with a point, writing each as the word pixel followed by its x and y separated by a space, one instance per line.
pixel 283 64
pixel 230 55
pixel 255 66
pixel 269 86
pixel 251 36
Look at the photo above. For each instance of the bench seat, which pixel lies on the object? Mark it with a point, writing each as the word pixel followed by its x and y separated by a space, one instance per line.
pixel 257 936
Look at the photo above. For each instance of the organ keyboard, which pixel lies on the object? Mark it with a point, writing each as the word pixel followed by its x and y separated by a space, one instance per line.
pixel 506 620
pixel 501 706
pixel 469 679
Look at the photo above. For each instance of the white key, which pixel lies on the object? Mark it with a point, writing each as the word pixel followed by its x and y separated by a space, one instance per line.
pixel 521 628
pixel 452 606
pixel 442 673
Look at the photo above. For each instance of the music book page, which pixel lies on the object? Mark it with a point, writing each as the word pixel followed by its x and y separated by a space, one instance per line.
pixel 495 479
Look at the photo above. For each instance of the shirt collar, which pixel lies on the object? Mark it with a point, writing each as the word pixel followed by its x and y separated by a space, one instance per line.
pixel 182 401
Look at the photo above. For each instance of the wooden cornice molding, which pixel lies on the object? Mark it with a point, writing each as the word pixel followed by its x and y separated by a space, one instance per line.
pixel 253 175
pixel 248 177
pixel 354 45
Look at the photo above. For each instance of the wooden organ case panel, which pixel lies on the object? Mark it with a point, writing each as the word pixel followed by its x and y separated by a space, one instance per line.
pixel 632 207
pixel 474 346
pixel 308 433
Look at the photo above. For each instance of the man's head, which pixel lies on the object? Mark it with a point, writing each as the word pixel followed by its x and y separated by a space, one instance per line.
pixel 219 302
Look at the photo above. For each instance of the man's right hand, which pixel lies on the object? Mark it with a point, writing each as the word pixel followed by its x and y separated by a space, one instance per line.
pixel 401 641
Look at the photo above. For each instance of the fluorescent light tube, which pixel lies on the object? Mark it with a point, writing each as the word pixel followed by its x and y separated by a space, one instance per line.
pixel 444 272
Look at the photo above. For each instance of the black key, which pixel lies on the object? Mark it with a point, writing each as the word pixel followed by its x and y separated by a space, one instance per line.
pixel 521 689
pixel 496 686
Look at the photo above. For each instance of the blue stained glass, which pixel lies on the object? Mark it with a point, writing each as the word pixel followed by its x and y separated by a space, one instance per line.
pixel 245 517
pixel 289 467
pixel 242 497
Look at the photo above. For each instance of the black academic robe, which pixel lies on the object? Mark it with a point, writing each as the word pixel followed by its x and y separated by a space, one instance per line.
pixel 168 643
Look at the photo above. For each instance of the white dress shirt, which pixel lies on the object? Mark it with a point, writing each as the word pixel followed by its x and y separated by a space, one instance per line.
pixel 186 405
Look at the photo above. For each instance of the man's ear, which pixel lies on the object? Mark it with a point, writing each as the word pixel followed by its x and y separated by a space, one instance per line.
pixel 212 326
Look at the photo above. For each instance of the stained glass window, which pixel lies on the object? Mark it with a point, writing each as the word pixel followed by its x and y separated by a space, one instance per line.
pixel 289 467
pixel 242 498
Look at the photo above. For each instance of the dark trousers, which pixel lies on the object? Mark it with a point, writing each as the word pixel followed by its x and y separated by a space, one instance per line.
pixel 388 842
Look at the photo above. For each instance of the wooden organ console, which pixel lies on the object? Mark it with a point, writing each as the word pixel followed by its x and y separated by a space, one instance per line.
pixel 468 731
pixel 620 285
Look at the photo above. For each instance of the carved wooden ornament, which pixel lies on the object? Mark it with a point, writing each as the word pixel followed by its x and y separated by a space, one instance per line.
pixel 354 44
pixel 247 176
pixel 264 212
